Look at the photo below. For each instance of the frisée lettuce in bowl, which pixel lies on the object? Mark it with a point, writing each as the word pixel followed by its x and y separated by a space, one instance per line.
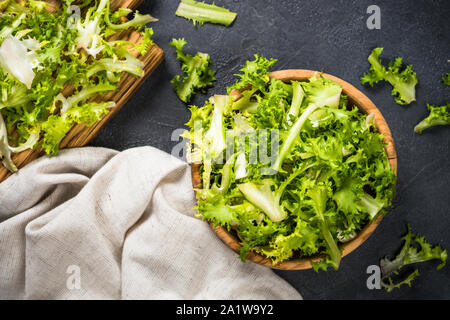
pixel 289 172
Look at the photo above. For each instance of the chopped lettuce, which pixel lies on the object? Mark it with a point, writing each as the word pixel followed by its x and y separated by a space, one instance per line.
pixel 199 75
pixel 61 62
pixel 19 60
pixel 318 193
pixel 292 136
pixel 320 92
pixel 264 198
pixel 5 150
pixel 254 74
pixel 297 98
pixel 214 140
pixel 200 12
pixel 403 80
pixel 329 177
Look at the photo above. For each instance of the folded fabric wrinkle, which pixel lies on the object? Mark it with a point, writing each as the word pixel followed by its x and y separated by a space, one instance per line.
pixel 94 223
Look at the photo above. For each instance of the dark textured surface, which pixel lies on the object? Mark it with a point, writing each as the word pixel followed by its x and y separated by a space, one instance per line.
pixel 331 36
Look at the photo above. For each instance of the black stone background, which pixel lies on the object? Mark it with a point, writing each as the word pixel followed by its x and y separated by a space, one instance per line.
pixel 331 36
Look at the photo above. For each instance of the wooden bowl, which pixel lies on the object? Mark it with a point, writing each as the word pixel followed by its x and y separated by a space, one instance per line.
pixel 355 97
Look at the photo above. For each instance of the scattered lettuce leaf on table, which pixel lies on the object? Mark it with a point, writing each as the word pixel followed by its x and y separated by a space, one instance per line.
pixel 416 249
pixel 439 116
pixel 200 12
pixel 402 79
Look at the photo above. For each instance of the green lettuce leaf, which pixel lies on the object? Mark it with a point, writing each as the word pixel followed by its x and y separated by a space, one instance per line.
pixel 403 80
pixel 200 12
pixel 439 116
pixel 198 74
pixel 410 254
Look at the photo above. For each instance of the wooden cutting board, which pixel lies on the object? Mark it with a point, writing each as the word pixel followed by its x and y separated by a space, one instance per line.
pixel 80 135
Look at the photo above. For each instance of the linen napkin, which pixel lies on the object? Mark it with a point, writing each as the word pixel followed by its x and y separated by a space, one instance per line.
pixel 94 223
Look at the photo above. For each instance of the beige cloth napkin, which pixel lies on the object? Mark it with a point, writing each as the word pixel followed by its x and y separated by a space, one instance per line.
pixel 93 223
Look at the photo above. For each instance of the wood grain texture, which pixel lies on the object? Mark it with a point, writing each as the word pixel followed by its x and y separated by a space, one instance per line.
pixel 80 135
pixel 356 98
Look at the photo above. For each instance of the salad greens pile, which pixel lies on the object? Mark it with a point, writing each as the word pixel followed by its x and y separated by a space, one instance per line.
pixel 409 254
pixel 200 12
pixel 53 61
pixel 198 74
pixel 403 80
pixel 292 168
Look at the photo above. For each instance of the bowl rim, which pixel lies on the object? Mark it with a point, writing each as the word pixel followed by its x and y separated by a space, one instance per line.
pixel 357 98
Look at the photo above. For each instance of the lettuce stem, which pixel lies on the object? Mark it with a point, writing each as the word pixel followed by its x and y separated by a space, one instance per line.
pixel 293 134
pixel 200 13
